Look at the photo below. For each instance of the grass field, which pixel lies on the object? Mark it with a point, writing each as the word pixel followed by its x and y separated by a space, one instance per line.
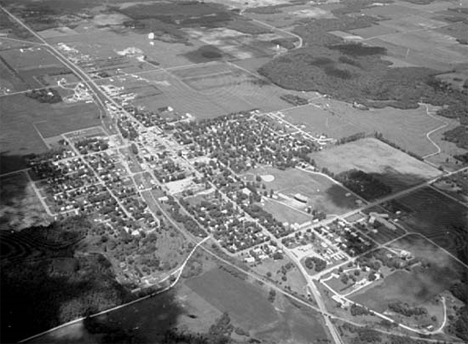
pixel 323 194
pixel 438 218
pixel 284 213
pixel 370 155
pixel 222 290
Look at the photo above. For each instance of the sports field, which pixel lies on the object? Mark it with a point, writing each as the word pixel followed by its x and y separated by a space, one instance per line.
pixel 323 194
pixel 390 165
pixel 438 218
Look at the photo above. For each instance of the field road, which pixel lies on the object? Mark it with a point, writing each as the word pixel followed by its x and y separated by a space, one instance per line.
pixel 428 135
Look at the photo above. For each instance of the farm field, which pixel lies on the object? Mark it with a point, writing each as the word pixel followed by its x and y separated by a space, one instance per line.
pixel 103 43
pixel 438 218
pixel 185 99
pixel 323 194
pixel 180 96
pixel 337 119
pixel 23 129
pixel 393 167
pixel 319 120
pixel 26 68
pixel 233 85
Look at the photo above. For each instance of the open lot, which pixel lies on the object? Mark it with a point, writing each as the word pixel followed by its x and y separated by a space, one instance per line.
pixel 438 218
pixel 372 156
pixel 322 193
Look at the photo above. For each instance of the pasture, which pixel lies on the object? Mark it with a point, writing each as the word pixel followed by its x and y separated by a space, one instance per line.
pixel 222 290
pixel 390 165
pixel 438 218
pixel 323 194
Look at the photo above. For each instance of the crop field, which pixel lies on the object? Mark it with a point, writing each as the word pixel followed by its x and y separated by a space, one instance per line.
pixel 320 120
pixel 28 68
pixel 286 16
pixel 237 89
pixel 222 290
pixel 390 165
pixel 132 83
pixel 438 218
pixel 183 99
pixel 323 194
pixel 410 33
pixel 235 44
pixel 242 95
